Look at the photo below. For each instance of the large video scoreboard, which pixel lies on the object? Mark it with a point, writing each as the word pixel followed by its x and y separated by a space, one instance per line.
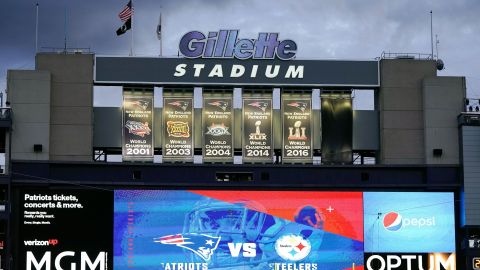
pixel 232 229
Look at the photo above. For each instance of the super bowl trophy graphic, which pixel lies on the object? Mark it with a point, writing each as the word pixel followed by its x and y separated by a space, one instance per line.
pixel 299 133
pixel 257 127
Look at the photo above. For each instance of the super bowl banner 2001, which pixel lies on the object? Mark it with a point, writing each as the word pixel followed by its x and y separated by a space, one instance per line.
pixel 257 130
pixel 178 129
pixel 297 130
pixel 211 229
pixel 64 229
pixel 218 129
pixel 137 128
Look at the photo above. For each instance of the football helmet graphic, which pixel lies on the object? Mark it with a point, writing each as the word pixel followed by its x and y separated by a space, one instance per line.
pixel 243 222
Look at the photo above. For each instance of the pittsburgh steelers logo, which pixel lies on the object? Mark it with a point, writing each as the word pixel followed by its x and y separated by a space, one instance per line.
pixel 292 247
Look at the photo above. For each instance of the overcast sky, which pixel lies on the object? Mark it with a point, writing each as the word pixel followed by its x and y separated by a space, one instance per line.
pixel 343 29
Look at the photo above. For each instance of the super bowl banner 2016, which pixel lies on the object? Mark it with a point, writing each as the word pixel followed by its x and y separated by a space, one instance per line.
pixel 177 129
pixel 217 129
pixel 257 130
pixel 297 129
pixel 250 230
pixel 64 229
pixel 137 128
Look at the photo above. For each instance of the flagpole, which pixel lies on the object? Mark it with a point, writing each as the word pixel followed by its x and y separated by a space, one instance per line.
pixel 131 32
pixel 36 31
pixel 160 34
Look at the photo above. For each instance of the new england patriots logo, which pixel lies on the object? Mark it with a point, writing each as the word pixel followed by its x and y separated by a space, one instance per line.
pixel 259 104
pixel 299 105
pixel 201 244
pixel 181 104
pixel 141 103
pixel 219 103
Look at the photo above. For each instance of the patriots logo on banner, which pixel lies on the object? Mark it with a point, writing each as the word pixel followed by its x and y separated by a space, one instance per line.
pixel 219 103
pixel 138 128
pixel 201 244
pixel 259 104
pixel 180 104
pixel 141 103
pixel 300 105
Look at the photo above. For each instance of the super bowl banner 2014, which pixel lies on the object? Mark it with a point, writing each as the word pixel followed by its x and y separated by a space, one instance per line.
pixel 297 130
pixel 137 128
pixel 177 129
pixel 257 130
pixel 217 129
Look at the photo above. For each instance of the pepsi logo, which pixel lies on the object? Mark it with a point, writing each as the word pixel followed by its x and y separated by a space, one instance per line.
pixel 392 221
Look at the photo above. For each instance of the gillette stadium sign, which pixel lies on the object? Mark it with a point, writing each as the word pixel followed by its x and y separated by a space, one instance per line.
pixel 225 57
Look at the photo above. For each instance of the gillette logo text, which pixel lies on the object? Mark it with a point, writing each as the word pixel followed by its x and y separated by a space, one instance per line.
pixel 394 221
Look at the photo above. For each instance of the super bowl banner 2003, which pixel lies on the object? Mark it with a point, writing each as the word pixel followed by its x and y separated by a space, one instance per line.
pixel 64 229
pixel 137 128
pixel 297 130
pixel 178 129
pixel 271 230
pixel 218 129
pixel 257 130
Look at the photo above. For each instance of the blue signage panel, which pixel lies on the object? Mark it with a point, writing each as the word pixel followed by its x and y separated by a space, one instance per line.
pixel 211 229
pixel 409 222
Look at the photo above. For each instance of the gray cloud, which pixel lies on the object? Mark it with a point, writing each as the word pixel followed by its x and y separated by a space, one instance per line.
pixel 353 29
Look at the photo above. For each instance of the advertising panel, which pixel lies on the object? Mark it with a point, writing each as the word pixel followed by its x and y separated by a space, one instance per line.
pixel 60 229
pixel 160 229
pixel 410 261
pixel 137 128
pixel 409 222
pixel 218 129
pixel 297 130
pixel 257 130
pixel 177 129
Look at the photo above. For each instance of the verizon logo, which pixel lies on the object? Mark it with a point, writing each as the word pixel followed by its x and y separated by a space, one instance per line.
pixel 40 243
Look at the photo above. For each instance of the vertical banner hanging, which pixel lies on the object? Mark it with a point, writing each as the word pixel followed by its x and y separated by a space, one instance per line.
pixel 297 129
pixel 257 130
pixel 137 128
pixel 337 119
pixel 218 129
pixel 177 129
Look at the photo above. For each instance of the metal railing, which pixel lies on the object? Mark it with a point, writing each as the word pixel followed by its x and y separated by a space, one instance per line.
pixel 417 56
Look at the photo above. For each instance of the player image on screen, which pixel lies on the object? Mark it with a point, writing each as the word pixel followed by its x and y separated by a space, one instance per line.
pixel 213 229
pixel 243 222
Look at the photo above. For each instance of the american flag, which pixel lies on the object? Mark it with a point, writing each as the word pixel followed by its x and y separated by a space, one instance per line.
pixel 127 12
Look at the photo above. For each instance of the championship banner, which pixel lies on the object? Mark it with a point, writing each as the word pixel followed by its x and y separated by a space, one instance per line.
pixel 297 130
pixel 137 128
pixel 218 129
pixel 177 129
pixel 257 130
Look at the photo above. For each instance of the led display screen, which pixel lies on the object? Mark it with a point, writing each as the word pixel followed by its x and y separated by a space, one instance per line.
pixel 237 230
pixel 64 229
pixel 409 222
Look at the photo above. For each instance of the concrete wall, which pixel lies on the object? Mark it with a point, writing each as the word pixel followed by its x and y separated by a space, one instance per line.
pixel 400 101
pixel 71 122
pixel 443 101
pixel 29 96
pixel 471 173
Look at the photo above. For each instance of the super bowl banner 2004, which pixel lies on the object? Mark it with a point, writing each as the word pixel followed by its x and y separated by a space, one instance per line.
pixel 297 130
pixel 217 129
pixel 212 229
pixel 137 128
pixel 178 129
pixel 64 229
pixel 257 130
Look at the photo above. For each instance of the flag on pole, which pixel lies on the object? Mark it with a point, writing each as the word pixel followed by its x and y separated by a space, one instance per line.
pixel 159 28
pixel 126 12
pixel 125 27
